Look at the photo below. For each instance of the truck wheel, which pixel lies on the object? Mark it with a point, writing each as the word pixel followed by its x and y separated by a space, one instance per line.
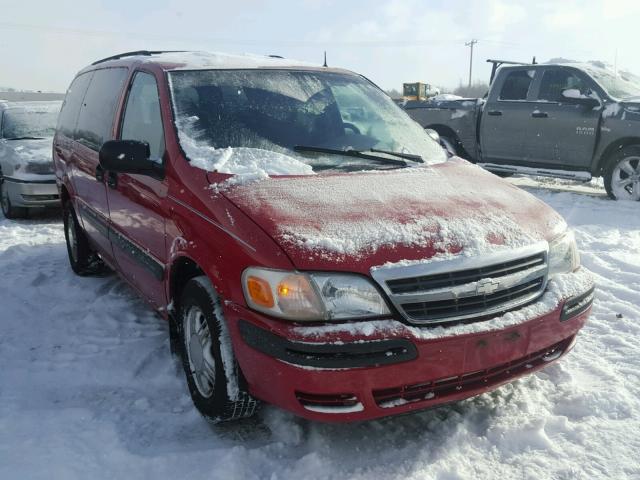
pixel 9 210
pixel 622 174
pixel 449 145
pixel 213 376
pixel 83 260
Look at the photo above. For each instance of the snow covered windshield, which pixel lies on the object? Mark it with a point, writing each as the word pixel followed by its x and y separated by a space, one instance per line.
pixel 37 122
pixel 316 119
pixel 621 85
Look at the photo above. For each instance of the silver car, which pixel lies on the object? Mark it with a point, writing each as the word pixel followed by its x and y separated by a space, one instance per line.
pixel 26 168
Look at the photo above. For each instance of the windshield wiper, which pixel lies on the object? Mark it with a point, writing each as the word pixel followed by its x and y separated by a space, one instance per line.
pixel 349 153
pixel 409 156
pixel 24 138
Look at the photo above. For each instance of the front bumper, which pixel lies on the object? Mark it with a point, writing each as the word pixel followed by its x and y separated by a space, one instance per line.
pixel 303 374
pixel 25 193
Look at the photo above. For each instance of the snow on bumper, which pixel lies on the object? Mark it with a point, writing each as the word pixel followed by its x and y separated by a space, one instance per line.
pixel 425 366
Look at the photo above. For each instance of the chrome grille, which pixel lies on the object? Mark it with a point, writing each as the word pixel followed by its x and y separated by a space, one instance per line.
pixel 466 288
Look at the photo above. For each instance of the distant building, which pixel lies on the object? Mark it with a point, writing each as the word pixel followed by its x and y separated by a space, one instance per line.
pixel 30 96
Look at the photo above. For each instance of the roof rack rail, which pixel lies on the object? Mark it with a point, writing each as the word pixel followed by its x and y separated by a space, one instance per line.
pixel 135 54
pixel 498 63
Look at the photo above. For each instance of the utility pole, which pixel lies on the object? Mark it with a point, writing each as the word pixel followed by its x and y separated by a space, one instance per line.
pixel 470 45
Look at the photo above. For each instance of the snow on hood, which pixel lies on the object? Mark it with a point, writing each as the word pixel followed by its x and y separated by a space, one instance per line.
pixel 15 155
pixel 453 208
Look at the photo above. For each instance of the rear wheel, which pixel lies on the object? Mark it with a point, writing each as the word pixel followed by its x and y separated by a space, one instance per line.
pixel 83 260
pixel 213 376
pixel 9 210
pixel 622 174
pixel 449 145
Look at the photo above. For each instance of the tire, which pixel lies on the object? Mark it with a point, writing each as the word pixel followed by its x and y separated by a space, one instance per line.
pixel 449 145
pixel 215 382
pixel 9 210
pixel 83 260
pixel 622 174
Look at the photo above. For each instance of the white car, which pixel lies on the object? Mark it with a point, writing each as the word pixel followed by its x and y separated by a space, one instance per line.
pixel 26 168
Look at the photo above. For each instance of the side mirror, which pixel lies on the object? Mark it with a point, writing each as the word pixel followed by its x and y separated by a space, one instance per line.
pixel 575 97
pixel 128 156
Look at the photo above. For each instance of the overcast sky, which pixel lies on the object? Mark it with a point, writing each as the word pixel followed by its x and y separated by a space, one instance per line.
pixel 44 43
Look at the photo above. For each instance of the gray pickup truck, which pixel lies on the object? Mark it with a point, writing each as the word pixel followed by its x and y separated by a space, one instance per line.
pixel 574 121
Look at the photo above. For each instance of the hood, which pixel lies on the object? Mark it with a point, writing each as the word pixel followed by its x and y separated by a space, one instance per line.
pixel 22 158
pixel 354 222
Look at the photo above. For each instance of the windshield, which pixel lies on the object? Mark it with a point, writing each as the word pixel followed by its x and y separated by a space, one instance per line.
pixel 623 85
pixel 28 121
pixel 280 111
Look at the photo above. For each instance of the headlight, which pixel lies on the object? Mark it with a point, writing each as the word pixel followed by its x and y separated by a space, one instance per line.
pixel 311 296
pixel 563 254
pixel 44 168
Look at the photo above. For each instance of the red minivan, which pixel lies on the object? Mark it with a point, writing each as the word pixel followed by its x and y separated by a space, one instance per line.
pixel 311 246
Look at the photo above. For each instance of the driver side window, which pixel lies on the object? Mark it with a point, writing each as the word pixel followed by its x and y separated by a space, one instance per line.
pixel 142 118
pixel 554 81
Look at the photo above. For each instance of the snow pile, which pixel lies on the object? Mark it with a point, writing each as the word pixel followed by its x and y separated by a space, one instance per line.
pixel 247 164
pixel 442 97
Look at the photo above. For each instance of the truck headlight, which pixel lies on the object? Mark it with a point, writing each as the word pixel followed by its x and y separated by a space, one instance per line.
pixel 563 254
pixel 311 296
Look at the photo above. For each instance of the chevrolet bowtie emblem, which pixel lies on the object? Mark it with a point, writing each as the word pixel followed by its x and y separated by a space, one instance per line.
pixel 487 286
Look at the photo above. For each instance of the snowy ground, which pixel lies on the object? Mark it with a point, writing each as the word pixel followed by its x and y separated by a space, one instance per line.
pixel 88 389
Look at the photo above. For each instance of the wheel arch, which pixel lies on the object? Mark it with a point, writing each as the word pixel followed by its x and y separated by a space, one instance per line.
pixel 615 145
pixel 446 131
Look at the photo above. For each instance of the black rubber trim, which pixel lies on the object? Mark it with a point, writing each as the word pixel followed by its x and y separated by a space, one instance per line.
pixel 96 220
pixel 122 242
pixel 577 305
pixel 135 252
pixel 328 355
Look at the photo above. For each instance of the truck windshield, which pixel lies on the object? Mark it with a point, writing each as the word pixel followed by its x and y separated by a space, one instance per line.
pixel 279 110
pixel 621 85
pixel 29 122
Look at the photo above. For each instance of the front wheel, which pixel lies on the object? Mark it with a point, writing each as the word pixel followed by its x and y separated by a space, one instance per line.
pixel 622 174
pixel 8 209
pixel 212 372
pixel 83 260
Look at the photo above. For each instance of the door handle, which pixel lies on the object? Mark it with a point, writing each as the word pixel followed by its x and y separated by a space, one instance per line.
pixel 100 173
pixel 539 114
pixel 494 113
pixel 112 180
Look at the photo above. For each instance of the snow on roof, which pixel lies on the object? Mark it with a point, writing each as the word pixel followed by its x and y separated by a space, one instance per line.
pixel 212 60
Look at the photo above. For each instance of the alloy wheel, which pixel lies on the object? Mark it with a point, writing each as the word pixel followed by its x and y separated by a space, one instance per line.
pixel 625 180
pixel 198 342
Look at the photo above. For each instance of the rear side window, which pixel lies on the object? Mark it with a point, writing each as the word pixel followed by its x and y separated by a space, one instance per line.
pixel 99 106
pixel 142 117
pixel 71 106
pixel 516 85
pixel 556 80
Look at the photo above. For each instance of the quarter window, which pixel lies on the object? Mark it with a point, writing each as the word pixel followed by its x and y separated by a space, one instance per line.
pixel 555 81
pixel 95 122
pixel 72 102
pixel 142 118
pixel 516 85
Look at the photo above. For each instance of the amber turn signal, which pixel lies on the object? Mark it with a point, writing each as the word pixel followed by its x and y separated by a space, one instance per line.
pixel 260 292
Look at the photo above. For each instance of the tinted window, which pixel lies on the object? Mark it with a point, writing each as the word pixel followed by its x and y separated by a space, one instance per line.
pixel 556 80
pixel 99 106
pixel 516 85
pixel 142 117
pixel 71 106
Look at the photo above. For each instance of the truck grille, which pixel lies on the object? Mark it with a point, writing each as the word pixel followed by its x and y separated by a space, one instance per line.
pixel 466 288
